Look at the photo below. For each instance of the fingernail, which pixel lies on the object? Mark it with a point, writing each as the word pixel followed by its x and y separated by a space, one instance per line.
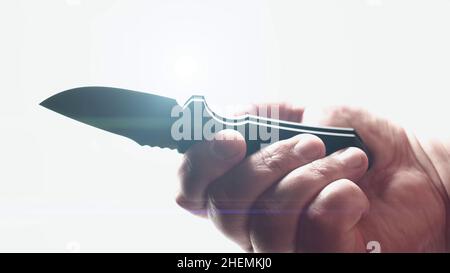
pixel 351 157
pixel 307 150
pixel 224 149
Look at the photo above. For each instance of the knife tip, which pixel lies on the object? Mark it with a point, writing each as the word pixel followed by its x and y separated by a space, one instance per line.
pixel 51 103
pixel 45 103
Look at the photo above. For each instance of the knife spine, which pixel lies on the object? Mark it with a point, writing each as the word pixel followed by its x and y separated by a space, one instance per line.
pixel 269 122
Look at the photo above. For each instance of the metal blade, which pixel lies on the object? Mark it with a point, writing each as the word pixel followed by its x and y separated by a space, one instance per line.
pixel 142 117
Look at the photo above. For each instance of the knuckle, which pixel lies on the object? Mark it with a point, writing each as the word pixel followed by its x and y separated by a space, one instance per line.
pixel 340 110
pixel 322 169
pixel 326 169
pixel 252 109
pixel 341 115
pixel 185 203
pixel 274 160
pixel 317 217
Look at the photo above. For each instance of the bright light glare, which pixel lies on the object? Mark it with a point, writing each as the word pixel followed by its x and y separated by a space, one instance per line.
pixel 186 68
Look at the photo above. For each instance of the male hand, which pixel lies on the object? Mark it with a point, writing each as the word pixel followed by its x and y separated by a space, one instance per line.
pixel 290 197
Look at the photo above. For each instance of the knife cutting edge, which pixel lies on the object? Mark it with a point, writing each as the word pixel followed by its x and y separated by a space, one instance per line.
pixel 159 121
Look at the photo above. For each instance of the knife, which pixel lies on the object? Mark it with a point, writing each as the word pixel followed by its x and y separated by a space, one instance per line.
pixel 154 120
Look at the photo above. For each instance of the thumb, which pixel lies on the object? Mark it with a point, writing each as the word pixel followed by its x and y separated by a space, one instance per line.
pixel 376 132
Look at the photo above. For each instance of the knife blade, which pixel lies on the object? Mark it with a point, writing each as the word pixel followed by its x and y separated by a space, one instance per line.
pixel 155 120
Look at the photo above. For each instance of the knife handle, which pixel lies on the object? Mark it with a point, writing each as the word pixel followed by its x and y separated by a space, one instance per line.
pixel 333 142
pixel 259 131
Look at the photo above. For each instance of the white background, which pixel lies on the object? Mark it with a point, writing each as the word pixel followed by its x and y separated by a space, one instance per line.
pixel 65 186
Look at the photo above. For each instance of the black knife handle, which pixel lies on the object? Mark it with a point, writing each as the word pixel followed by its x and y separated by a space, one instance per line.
pixel 260 131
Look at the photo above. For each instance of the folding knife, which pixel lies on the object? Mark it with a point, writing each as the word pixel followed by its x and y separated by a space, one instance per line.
pixel 159 121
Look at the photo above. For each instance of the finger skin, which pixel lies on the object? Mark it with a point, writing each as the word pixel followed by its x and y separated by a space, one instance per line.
pixel 282 111
pixel 274 229
pixel 231 196
pixel 205 162
pixel 199 167
pixel 329 224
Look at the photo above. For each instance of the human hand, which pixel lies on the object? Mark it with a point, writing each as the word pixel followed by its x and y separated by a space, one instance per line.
pixel 290 197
